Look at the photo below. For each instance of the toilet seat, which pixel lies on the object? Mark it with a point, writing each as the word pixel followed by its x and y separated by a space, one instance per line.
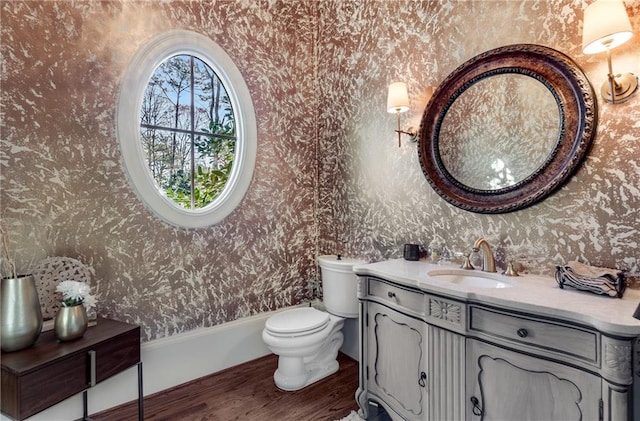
pixel 297 322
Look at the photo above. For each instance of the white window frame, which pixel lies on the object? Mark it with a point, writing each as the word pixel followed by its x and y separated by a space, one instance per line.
pixel 134 84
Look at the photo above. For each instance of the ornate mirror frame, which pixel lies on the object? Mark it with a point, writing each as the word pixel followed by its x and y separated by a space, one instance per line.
pixel 578 113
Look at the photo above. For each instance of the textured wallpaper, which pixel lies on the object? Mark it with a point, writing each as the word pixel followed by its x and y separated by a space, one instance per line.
pixel 329 175
pixel 379 198
pixel 65 192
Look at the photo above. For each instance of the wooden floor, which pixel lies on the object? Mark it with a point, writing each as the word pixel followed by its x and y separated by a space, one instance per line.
pixel 247 392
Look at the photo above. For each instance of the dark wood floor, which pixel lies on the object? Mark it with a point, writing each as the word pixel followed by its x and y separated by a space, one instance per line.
pixel 247 392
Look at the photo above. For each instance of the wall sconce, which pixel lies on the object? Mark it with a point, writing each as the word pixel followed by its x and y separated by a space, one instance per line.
pixel 606 25
pixel 398 102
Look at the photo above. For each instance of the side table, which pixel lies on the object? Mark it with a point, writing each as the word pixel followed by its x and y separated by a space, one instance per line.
pixel 50 371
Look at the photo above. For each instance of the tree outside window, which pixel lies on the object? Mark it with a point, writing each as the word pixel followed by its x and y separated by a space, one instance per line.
pixel 188 131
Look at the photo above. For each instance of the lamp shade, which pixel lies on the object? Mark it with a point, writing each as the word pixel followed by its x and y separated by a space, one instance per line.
pixel 606 25
pixel 398 99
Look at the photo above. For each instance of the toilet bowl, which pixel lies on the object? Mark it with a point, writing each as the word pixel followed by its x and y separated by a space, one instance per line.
pixel 306 339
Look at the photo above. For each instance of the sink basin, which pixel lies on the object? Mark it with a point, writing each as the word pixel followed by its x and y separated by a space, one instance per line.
pixel 472 278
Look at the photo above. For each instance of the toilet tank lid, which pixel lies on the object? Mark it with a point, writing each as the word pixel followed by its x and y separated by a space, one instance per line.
pixel 331 261
pixel 297 320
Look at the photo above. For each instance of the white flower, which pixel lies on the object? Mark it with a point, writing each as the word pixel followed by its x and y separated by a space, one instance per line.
pixel 75 293
pixel 89 302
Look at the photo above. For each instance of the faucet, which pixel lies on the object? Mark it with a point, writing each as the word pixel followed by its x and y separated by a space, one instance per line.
pixel 488 261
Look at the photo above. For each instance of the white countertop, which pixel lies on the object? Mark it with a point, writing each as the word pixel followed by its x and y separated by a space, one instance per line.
pixel 532 293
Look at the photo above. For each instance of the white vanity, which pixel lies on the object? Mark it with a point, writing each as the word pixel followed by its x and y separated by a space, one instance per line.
pixel 433 348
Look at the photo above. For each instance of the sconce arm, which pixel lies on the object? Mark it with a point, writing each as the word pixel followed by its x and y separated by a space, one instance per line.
pixel 618 88
pixel 412 132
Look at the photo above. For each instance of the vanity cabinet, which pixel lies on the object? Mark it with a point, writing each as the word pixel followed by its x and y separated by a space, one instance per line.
pixel 426 355
pixel 507 385
pixel 547 369
pixel 410 365
pixel 396 360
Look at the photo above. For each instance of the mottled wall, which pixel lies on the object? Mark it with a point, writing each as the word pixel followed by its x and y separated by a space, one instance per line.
pixel 65 192
pixel 376 195
pixel 329 175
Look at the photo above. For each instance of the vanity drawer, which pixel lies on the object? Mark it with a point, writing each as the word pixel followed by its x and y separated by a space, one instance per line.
pixel 549 335
pixel 396 295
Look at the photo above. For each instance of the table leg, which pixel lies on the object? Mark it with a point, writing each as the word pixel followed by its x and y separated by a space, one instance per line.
pixel 85 407
pixel 140 394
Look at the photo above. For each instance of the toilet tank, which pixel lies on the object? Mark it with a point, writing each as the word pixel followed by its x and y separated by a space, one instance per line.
pixel 339 285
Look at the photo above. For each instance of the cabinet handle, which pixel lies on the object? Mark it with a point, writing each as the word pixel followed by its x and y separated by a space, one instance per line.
pixel 523 333
pixel 477 411
pixel 92 368
pixel 423 377
pixel 391 294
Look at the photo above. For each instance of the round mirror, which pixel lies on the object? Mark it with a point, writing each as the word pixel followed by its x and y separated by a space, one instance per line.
pixel 499 131
pixel 507 128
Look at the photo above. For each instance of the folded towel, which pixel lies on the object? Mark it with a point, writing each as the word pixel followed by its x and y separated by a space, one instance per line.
pixel 592 271
pixel 598 280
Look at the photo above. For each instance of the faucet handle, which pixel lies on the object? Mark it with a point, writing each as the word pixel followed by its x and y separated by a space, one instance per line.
pixel 467 262
pixel 510 270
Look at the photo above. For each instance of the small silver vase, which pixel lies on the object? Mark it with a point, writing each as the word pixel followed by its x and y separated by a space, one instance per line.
pixel 71 323
pixel 20 312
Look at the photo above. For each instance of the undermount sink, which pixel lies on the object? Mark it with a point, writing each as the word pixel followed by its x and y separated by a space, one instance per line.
pixel 472 278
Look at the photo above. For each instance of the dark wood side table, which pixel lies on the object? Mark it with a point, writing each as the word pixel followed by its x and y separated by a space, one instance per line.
pixel 50 371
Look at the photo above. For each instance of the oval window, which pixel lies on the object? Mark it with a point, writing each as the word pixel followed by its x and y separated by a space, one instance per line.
pixel 186 128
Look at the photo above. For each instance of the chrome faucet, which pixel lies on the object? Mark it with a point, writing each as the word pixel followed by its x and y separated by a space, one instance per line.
pixel 488 261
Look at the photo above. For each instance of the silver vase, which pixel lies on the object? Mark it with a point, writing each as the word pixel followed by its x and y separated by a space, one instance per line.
pixel 20 312
pixel 71 323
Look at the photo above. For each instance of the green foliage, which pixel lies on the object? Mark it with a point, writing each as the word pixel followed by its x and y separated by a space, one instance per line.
pixel 208 181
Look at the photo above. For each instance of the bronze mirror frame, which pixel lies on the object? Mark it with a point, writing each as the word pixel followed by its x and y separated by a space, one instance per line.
pixel 578 113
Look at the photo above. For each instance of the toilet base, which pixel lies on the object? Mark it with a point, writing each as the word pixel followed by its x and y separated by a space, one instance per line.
pixel 289 384
pixel 295 373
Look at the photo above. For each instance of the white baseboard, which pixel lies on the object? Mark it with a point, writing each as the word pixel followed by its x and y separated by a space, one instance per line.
pixel 174 360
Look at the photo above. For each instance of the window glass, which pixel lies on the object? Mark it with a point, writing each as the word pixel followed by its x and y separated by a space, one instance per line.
pixel 190 151
pixel 188 131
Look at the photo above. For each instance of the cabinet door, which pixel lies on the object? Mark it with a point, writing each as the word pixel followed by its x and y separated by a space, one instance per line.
pixel 397 346
pixel 506 385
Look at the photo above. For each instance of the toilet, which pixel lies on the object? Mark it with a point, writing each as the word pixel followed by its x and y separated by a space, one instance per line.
pixel 306 339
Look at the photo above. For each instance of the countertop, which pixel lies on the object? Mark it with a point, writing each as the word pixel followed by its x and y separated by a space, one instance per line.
pixel 531 293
